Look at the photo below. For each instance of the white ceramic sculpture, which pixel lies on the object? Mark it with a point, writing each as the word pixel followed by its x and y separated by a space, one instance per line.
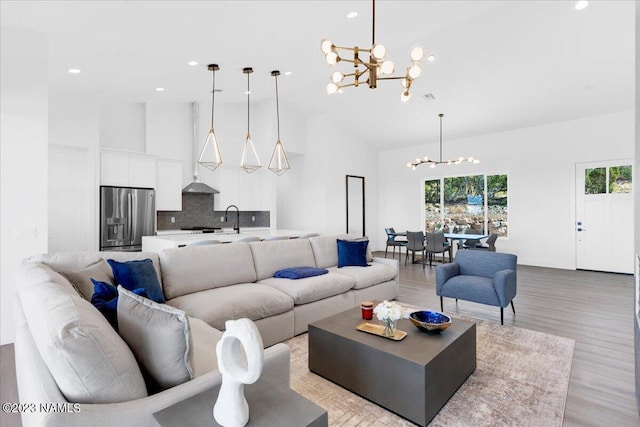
pixel 240 360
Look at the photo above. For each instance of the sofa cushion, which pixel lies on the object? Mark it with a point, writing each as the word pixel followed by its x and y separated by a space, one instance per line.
pixel 311 289
pixel 325 249
pixel 37 273
pixel 159 336
pixel 251 300
pixel 271 256
pixel 364 277
pixel 138 274
pixel 198 268
pixel 105 299
pixel 203 347
pixel 81 279
pixel 87 358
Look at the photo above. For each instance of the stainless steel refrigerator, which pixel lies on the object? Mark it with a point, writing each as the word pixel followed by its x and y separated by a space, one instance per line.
pixel 126 214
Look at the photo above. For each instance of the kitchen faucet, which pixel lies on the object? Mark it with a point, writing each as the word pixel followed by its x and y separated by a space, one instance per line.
pixel 236 227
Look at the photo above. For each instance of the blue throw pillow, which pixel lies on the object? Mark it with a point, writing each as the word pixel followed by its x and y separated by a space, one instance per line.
pixel 105 299
pixel 299 272
pixel 138 274
pixel 352 253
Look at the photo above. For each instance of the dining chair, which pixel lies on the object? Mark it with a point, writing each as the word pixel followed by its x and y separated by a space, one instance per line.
pixel 204 242
pixel 415 243
pixel 308 235
pixel 247 239
pixel 488 245
pixel 277 238
pixel 391 241
pixel 469 243
pixel 436 243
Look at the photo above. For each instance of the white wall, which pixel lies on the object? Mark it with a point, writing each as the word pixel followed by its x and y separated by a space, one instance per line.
pixel 312 195
pixel 540 162
pixel 23 160
pixel 123 126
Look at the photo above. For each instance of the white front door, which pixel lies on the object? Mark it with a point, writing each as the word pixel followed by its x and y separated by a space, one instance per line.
pixel 604 216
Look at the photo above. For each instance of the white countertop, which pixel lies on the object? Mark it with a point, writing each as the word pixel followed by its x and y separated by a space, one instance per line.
pixel 156 243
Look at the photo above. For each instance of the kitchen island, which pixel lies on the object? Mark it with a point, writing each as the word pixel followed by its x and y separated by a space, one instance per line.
pixel 160 242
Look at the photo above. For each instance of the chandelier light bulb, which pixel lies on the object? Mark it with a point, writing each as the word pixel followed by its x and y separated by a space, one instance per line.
pixel 426 158
pixel 337 77
pixel 409 165
pixel 417 53
pixel 431 58
pixel 413 168
pixel 326 46
pixel 405 83
pixel 415 71
pixel 379 52
pixel 405 97
pixel 387 67
pixel 332 88
pixel 476 161
pixel 432 166
pixel 332 58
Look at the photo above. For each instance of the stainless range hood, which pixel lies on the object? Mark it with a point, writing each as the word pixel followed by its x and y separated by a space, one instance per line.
pixel 197 187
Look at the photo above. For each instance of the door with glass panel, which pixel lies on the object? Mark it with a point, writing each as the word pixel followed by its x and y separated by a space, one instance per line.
pixel 604 216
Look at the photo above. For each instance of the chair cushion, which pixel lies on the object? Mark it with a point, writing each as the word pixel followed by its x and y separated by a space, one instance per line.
pixel 251 300
pixel 87 358
pixel 159 336
pixel 471 288
pixel 375 274
pixel 311 289
pixel 198 268
pixel 138 274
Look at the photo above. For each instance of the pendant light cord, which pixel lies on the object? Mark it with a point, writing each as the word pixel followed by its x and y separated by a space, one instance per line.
pixel 213 95
pixel 373 31
pixel 248 103
pixel 441 136
pixel 277 108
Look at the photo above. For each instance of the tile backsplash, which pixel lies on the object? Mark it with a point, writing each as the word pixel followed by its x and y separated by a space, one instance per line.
pixel 197 211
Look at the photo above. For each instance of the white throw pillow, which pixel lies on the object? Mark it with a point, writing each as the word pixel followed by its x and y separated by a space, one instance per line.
pixel 159 336
pixel 86 357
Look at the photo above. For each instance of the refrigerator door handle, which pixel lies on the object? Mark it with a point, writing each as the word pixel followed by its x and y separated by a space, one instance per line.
pixel 130 214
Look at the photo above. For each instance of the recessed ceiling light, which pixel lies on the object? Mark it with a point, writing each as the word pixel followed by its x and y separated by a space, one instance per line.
pixel 352 15
pixel 74 70
pixel 192 63
pixel 159 89
pixel 288 73
pixel 431 58
pixel 581 4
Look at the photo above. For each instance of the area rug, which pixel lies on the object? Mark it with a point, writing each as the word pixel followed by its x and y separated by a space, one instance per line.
pixel 521 379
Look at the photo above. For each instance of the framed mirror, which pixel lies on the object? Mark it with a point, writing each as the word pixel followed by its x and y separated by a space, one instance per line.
pixel 355 204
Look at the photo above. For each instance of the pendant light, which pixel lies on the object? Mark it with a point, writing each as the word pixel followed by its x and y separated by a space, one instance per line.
pixel 250 162
pixel 278 163
pixel 210 154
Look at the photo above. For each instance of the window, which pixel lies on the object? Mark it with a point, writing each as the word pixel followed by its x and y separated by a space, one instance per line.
pixel 477 202
pixel 619 179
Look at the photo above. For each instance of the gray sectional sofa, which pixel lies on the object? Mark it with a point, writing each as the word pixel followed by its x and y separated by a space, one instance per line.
pixel 65 347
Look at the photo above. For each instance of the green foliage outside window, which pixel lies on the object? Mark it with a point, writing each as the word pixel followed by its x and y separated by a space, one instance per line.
pixel 620 179
pixel 595 181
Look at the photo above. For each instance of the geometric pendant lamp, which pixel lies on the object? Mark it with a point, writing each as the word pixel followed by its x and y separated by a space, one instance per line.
pixel 278 163
pixel 250 162
pixel 210 154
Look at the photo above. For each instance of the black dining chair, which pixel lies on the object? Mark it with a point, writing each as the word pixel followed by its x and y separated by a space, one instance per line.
pixel 437 244
pixel 415 243
pixel 488 245
pixel 470 243
pixel 391 241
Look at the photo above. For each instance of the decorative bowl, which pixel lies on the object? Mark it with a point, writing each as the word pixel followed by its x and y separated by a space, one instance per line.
pixel 430 321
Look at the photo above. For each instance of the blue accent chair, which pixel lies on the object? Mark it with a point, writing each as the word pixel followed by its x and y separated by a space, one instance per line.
pixel 479 276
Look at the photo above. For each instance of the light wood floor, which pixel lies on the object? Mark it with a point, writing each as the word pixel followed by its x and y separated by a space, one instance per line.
pixel 594 309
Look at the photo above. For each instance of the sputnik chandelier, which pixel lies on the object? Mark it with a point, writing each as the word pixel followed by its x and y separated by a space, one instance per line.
pixel 433 163
pixel 378 67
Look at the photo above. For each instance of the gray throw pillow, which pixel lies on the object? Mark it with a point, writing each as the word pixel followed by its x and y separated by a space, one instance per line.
pixel 81 279
pixel 158 335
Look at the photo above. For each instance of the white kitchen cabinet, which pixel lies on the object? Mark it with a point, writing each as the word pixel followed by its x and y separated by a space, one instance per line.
pixel 123 169
pixel 168 185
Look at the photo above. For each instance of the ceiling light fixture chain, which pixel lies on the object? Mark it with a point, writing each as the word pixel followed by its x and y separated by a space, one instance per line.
pixel 433 163
pixel 250 161
pixel 210 155
pixel 376 68
pixel 279 164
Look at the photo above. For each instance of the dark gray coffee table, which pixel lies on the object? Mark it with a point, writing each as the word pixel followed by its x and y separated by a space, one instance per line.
pixel 414 377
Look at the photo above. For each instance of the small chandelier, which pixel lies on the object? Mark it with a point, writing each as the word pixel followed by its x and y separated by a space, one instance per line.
pixel 278 163
pixel 250 161
pixel 377 68
pixel 210 154
pixel 434 163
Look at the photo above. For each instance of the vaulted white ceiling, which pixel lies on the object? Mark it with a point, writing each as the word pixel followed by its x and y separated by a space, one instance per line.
pixel 500 64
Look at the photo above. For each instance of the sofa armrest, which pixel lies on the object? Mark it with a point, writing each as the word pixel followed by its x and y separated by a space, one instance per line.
pixel 504 282
pixel 36 385
pixel 445 272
